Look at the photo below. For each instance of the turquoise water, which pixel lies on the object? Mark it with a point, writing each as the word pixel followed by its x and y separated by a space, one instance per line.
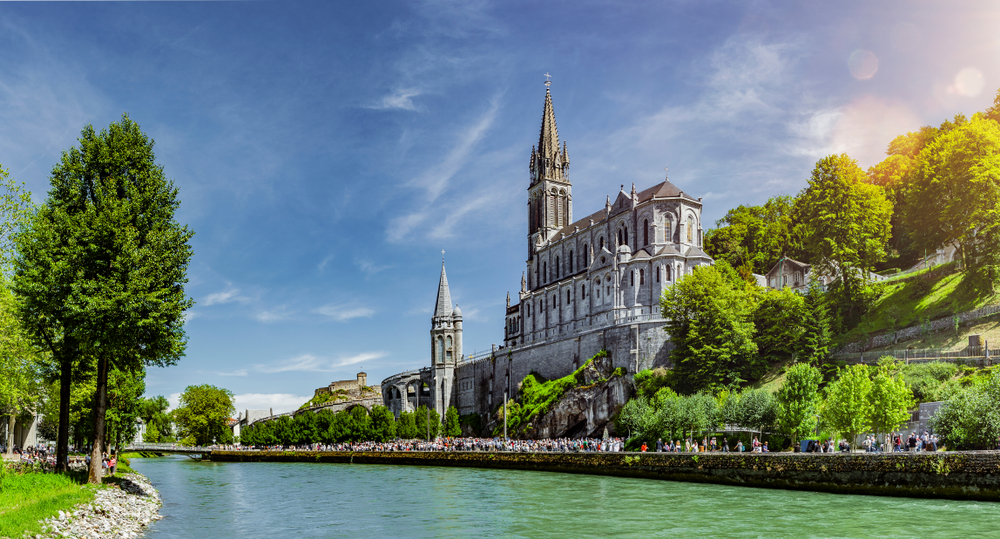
pixel 249 500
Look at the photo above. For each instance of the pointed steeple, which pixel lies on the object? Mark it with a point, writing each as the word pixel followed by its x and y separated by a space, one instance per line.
pixel 548 139
pixel 524 284
pixel 549 161
pixel 443 307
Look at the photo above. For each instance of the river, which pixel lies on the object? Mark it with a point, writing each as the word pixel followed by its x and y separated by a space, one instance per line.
pixel 270 500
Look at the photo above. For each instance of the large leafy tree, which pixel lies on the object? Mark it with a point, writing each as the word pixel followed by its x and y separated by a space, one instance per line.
pixel 846 224
pixel 813 343
pixel 20 383
pixel 159 425
pixel 798 400
pixel 452 427
pixel 102 266
pixel 956 193
pixel 709 319
pixel 848 408
pixel 779 320
pixel 383 424
pixel 428 422
pixel 203 413
pixel 755 237
pixel 891 400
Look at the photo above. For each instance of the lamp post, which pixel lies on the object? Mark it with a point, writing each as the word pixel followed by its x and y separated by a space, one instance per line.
pixel 505 420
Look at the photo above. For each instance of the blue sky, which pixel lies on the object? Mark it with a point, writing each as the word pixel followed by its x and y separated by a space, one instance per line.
pixel 327 152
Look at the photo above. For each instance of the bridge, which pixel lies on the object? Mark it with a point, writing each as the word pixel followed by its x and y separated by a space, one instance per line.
pixel 169 448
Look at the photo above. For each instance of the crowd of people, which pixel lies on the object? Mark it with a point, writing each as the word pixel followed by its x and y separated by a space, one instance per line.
pixel 557 445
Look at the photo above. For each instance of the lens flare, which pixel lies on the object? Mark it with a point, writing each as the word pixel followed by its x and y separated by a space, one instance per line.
pixel 969 82
pixel 863 64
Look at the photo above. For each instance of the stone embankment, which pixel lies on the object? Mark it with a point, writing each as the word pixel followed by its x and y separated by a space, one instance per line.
pixel 119 511
pixel 952 475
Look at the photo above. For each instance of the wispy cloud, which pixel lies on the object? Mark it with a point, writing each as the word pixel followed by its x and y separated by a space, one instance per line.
pixel 401 99
pixel 274 315
pixel 238 372
pixel 345 312
pixel 226 296
pixel 190 315
pixel 434 180
pixel 312 363
pixel 370 268
pixel 277 402
pixel 324 262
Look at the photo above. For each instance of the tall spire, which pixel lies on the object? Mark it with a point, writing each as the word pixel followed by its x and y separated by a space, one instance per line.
pixel 549 161
pixel 548 139
pixel 443 307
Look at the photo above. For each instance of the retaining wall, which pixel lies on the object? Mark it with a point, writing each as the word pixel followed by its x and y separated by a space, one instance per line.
pixel 965 475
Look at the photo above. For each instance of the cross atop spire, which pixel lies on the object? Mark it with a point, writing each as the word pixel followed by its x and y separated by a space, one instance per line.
pixel 547 81
pixel 548 160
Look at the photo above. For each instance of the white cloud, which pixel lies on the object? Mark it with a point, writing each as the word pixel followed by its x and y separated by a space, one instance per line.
pixel 226 296
pixel 343 313
pixel 190 315
pixel 401 99
pixel 175 400
pixel 370 268
pixel 322 265
pixel 238 372
pixel 275 315
pixel 278 402
pixel 312 363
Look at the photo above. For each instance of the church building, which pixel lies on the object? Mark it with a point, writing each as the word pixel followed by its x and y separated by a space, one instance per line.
pixel 589 284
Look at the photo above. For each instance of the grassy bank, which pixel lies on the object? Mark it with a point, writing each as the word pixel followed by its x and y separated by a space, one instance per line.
pixel 27 498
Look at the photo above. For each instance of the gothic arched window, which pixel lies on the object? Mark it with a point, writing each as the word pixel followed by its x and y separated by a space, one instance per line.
pixel 602 243
pixel 558 273
pixel 690 229
pixel 583 291
pixel 545 272
pixel 626 236
pixel 440 353
pixel 571 261
pixel 658 268
pixel 645 232
pixel 642 277
pixel 620 242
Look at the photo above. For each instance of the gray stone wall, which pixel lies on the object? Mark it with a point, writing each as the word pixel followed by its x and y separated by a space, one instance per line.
pixel 481 384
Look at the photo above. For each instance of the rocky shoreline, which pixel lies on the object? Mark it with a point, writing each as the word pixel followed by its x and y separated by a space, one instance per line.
pixel 119 511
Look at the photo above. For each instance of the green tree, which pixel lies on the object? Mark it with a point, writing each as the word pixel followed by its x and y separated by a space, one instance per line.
pixel 891 400
pixel 848 406
pixel 813 344
pixel 755 237
pixel 956 192
pixel 636 417
pixel 757 409
pixel 20 382
pixel 203 413
pixel 798 400
pixel 159 425
pixel 846 225
pixel 123 406
pixel 779 320
pixel 383 425
pixel 406 426
pixel 16 209
pixel 452 427
pixel 101 267
pixel 970 418
pixel 709 319
pixel 428 423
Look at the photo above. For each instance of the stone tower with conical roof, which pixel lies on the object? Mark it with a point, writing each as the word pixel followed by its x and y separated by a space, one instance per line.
pixel 550 194
pixel 446 345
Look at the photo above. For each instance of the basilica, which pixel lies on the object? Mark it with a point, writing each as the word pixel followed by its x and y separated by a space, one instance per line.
pixel 589 284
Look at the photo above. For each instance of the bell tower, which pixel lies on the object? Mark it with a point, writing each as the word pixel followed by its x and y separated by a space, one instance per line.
pixel 446 345
pixel 550 195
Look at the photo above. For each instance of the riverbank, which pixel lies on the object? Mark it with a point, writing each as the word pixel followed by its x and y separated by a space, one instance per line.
pixel 46 505
pixel 954 475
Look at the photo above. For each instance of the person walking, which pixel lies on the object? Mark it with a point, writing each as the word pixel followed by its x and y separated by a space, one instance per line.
pixel 659 445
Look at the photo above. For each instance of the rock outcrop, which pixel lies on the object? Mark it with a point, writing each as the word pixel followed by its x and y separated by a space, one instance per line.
pixel 586 410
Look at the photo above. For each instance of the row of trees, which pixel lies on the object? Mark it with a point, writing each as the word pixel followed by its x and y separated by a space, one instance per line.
pixel 97 276
pixel 937 186
pixel 860 399
pixel 354 425
pixel 727 330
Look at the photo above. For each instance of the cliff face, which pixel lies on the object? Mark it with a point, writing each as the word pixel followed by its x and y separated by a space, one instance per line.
pixel 585 410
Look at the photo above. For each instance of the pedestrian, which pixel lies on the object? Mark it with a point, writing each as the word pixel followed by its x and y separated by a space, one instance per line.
pixel 659 445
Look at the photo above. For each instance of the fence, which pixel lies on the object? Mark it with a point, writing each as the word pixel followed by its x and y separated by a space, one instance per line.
pixel 973 355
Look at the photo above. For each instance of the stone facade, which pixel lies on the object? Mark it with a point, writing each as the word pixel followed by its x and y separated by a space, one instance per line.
pixel 350 386
pixel 591 284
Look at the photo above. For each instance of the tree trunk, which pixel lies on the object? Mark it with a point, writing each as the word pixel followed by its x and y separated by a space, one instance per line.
pixel 100 409
pixel 10 432
pixel 62 439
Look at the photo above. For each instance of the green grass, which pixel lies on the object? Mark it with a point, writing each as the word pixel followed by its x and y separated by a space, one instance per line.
pixel 25 499
pixel 928 295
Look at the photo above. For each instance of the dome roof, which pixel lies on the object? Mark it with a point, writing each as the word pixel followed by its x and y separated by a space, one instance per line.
pixel 457 313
